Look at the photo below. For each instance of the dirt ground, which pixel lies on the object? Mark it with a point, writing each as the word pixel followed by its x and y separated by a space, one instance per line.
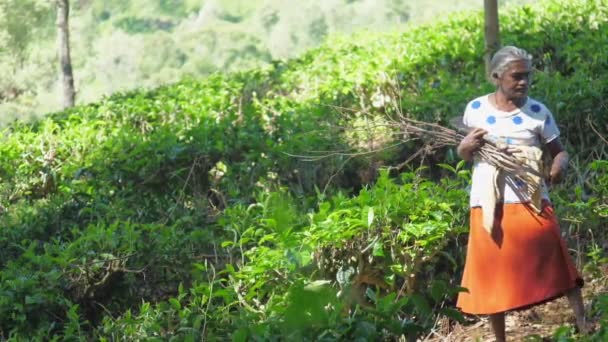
pixel 536 324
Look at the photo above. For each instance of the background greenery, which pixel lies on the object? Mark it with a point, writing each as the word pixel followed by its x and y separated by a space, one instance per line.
pixel 175 213
pixel 119 45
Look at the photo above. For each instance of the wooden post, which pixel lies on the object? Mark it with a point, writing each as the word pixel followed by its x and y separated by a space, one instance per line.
pixel 65 61
pixel 491 30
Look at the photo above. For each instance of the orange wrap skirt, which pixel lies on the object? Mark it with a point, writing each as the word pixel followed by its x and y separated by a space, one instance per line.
pixel 524 262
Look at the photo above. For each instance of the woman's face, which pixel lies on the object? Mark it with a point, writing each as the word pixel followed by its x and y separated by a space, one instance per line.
pixel 515 81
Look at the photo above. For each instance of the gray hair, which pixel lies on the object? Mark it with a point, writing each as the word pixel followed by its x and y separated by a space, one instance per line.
pixel 501 59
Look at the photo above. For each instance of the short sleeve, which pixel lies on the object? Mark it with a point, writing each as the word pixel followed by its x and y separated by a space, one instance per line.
pixel 472 112
pixel 549 129
pixel 466 118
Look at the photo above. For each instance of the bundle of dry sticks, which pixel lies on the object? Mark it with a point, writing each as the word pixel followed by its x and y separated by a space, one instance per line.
pixel 434 136
pixel 491 151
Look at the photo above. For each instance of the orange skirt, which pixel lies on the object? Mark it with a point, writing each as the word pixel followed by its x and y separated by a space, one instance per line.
pixel 524 262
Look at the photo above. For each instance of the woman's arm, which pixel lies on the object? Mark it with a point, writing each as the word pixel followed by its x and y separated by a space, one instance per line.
pixel 559 166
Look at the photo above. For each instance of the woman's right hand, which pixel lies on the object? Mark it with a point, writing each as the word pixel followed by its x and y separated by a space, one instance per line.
pixel 471 143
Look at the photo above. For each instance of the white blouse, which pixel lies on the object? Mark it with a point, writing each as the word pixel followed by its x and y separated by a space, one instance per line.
pixel 531 125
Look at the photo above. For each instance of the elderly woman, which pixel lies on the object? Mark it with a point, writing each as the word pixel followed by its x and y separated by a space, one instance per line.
pixel 515 256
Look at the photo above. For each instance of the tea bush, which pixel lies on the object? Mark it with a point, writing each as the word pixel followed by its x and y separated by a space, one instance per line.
pixel 277 271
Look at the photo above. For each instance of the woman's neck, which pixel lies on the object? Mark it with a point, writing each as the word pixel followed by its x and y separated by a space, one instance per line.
pixel 499 100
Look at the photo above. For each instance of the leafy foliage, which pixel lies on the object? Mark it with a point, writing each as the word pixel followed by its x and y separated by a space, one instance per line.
pixel 177 213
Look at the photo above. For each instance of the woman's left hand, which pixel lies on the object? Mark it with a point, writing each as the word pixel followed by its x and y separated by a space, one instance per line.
pixel 560 162
pixel 557 174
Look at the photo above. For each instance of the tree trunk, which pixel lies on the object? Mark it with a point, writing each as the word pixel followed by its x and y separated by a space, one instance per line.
pixel 65 61
pixel 492 33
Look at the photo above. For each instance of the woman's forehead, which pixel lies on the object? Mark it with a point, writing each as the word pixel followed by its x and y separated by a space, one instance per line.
pixel 519 66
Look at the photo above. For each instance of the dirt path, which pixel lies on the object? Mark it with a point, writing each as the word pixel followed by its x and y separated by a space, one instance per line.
pixel 536 324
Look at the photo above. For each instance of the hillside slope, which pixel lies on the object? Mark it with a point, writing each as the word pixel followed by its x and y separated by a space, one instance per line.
pixel 120 45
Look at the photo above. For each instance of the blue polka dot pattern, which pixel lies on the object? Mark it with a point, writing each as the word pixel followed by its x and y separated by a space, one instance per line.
pixel 519 183
pixel 518 120
pixel 535 108
pixel 476 104
pixel 491 119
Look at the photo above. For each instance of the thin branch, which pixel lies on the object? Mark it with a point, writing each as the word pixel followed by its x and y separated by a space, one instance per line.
pixel 350 155
pixel 596 131
pixel 211 281
pixel 108 312
pixel 331 178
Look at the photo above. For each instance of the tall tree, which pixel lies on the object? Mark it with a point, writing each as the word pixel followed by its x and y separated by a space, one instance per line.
pixel 65 61
pixel 492 32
